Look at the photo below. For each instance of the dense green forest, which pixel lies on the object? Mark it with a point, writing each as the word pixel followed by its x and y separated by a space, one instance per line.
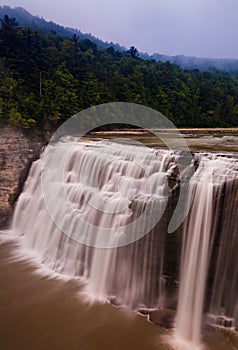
pixel 46 78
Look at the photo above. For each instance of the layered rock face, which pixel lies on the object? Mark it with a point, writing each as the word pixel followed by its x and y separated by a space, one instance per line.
pixel 17 151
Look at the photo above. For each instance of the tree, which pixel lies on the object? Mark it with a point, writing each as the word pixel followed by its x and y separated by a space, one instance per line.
pixel 8 23
pixel 133 52
pixel 16 119
pixel 8 37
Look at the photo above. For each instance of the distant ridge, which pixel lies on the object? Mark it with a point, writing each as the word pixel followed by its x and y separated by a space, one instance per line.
pixel 201 63
pixel 26 19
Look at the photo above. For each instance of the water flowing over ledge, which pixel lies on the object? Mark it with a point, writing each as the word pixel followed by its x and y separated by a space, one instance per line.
pixel 110 186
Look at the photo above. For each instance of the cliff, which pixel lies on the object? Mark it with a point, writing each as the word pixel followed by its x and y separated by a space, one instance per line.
pixel 17 151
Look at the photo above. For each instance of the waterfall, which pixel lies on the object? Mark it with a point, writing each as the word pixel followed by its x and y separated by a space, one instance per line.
pixel 128 193
pixel 208 222
pixel 129 180
pixel 223 309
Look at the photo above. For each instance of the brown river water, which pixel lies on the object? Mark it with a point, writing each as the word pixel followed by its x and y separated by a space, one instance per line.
pixel 41 311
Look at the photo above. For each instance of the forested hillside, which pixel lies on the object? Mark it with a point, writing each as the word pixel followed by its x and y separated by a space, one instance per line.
pixel 46 78
pixel 26 19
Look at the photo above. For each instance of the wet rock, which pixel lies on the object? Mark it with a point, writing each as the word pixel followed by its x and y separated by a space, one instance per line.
pixel 163 318
pixel 144 312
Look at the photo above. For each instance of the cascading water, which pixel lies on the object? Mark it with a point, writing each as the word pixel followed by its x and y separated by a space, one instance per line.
pixel 126 181
pixel 211 219
pixel 223 307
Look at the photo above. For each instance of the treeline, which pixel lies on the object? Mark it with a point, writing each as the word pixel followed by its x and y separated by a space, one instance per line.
pixel 45 79
pixel 26 19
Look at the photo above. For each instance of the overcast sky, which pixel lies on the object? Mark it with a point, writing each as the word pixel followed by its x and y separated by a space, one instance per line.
pixel 190 27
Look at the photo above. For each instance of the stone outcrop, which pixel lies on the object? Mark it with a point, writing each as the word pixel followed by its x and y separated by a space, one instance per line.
pixel 163 318
pixel 17 151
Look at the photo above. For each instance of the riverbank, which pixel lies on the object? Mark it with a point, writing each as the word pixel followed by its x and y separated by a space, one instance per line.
pixel 183 131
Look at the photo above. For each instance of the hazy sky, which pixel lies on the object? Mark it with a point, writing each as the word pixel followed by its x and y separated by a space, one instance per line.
pixel 191 27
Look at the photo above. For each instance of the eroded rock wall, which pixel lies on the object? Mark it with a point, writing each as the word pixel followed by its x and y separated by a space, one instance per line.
pixel 17 151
